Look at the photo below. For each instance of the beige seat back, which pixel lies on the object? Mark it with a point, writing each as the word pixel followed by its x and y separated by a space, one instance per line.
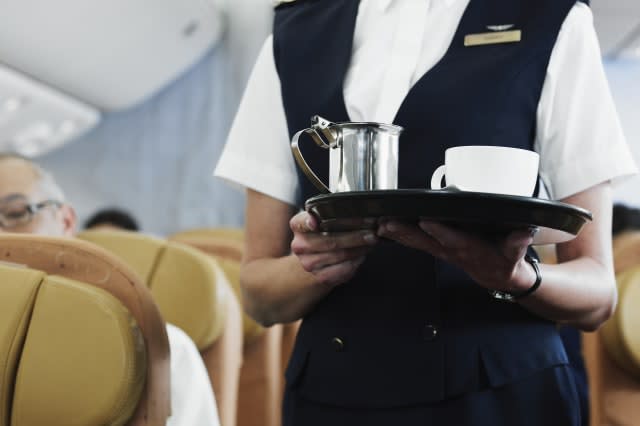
pixel 626 250
pixel 621 334
pixel 261 379
pixel 184 283
pixel 81 340
pixel 226 246
pixel 192 293
pixel 612 354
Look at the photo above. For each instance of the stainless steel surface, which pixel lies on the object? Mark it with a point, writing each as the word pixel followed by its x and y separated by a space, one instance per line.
pixel 362 156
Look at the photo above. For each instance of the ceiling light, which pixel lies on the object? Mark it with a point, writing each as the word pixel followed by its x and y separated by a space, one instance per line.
pixel 149 44
pixel 12 104
pixel 67 127
pixel 35 118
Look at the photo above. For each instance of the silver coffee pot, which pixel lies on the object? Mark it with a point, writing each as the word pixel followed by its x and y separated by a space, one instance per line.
pixel 362 156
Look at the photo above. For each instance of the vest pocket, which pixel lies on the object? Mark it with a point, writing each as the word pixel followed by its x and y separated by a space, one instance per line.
pixel 520 354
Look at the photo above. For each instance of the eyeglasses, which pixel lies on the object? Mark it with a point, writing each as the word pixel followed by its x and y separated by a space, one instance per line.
pixel 19 212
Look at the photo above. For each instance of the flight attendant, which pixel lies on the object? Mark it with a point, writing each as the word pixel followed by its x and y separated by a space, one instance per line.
pixel 399 325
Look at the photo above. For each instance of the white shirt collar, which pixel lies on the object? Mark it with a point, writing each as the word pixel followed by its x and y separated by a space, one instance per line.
pixel 384 4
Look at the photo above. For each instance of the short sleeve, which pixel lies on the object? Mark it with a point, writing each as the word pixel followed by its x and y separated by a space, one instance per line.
pixel 579 135
pixel 257 154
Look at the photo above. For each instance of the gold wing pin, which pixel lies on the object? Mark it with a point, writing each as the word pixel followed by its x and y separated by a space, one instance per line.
pixel 500 27
pixel 498 34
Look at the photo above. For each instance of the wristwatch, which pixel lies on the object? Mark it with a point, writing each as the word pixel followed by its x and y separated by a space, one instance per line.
pixel 513 297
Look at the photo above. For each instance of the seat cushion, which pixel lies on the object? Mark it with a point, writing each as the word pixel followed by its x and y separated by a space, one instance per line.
pixel 236 234
pixel 220 247
pixel 621 333
pixel 183 282
pixel 226 246
pixel 186 285
pixel 626 250
pixel 251 329
pixel 83 362
pixel 18 289
pixel 138 251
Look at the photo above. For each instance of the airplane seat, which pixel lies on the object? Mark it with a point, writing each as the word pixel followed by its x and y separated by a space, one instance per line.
pixel 261 377
pixel 612 354
pixel 226 245
pixel 192 292
pixel 626 250
pixel 81 340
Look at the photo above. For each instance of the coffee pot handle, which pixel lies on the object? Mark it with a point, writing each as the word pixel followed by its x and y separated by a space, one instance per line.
pixel 303 163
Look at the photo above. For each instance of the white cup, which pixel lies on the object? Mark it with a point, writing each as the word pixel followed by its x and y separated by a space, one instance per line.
pixel 491 169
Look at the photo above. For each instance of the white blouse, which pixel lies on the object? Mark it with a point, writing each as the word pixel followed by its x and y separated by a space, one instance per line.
pixel 579 137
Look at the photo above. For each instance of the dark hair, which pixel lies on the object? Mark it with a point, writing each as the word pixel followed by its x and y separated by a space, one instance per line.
pixel 112 216
pixel 625 218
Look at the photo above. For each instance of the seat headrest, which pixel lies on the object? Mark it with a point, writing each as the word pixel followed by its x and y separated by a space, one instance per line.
pixel 188 287
pixel 18 290
pixel 621 333
pixel 191 289
pixel 87 306
pixel 226 245
pixel 220 247
pixel 83 358
pixel 140 252
pixel 626 250
pixel 228 234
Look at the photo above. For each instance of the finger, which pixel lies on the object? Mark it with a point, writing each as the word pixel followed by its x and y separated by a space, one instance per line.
pixel 352 223
pixel 308 243
pixel 515 245
pixel 388 227
pixel 315 262
pixel 339 273
pixel 411 236
pixel 451 238
pixel 303 222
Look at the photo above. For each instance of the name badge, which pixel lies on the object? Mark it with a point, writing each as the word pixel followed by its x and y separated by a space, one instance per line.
pixel 496 37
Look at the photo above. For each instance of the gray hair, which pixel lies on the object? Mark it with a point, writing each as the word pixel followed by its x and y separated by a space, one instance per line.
pixel 44 180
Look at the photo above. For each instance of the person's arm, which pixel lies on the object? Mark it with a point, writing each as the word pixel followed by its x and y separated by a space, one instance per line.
pixel 288 266
pixel 579 290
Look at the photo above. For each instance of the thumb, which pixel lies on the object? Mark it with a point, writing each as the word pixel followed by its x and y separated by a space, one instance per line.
pixel 516 243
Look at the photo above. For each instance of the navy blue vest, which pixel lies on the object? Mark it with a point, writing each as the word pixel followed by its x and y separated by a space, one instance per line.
pixel 415 329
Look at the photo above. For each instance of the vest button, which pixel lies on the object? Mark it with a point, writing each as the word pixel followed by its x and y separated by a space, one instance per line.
pixel 430 332
pixel 338 344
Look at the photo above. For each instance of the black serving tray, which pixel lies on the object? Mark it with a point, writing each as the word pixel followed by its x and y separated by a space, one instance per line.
pixel 491 214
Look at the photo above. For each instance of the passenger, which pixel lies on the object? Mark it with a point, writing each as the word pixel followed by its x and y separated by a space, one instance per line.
pixel 32 202
pixel 624 218
pixel 112 218
pixel 625 232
